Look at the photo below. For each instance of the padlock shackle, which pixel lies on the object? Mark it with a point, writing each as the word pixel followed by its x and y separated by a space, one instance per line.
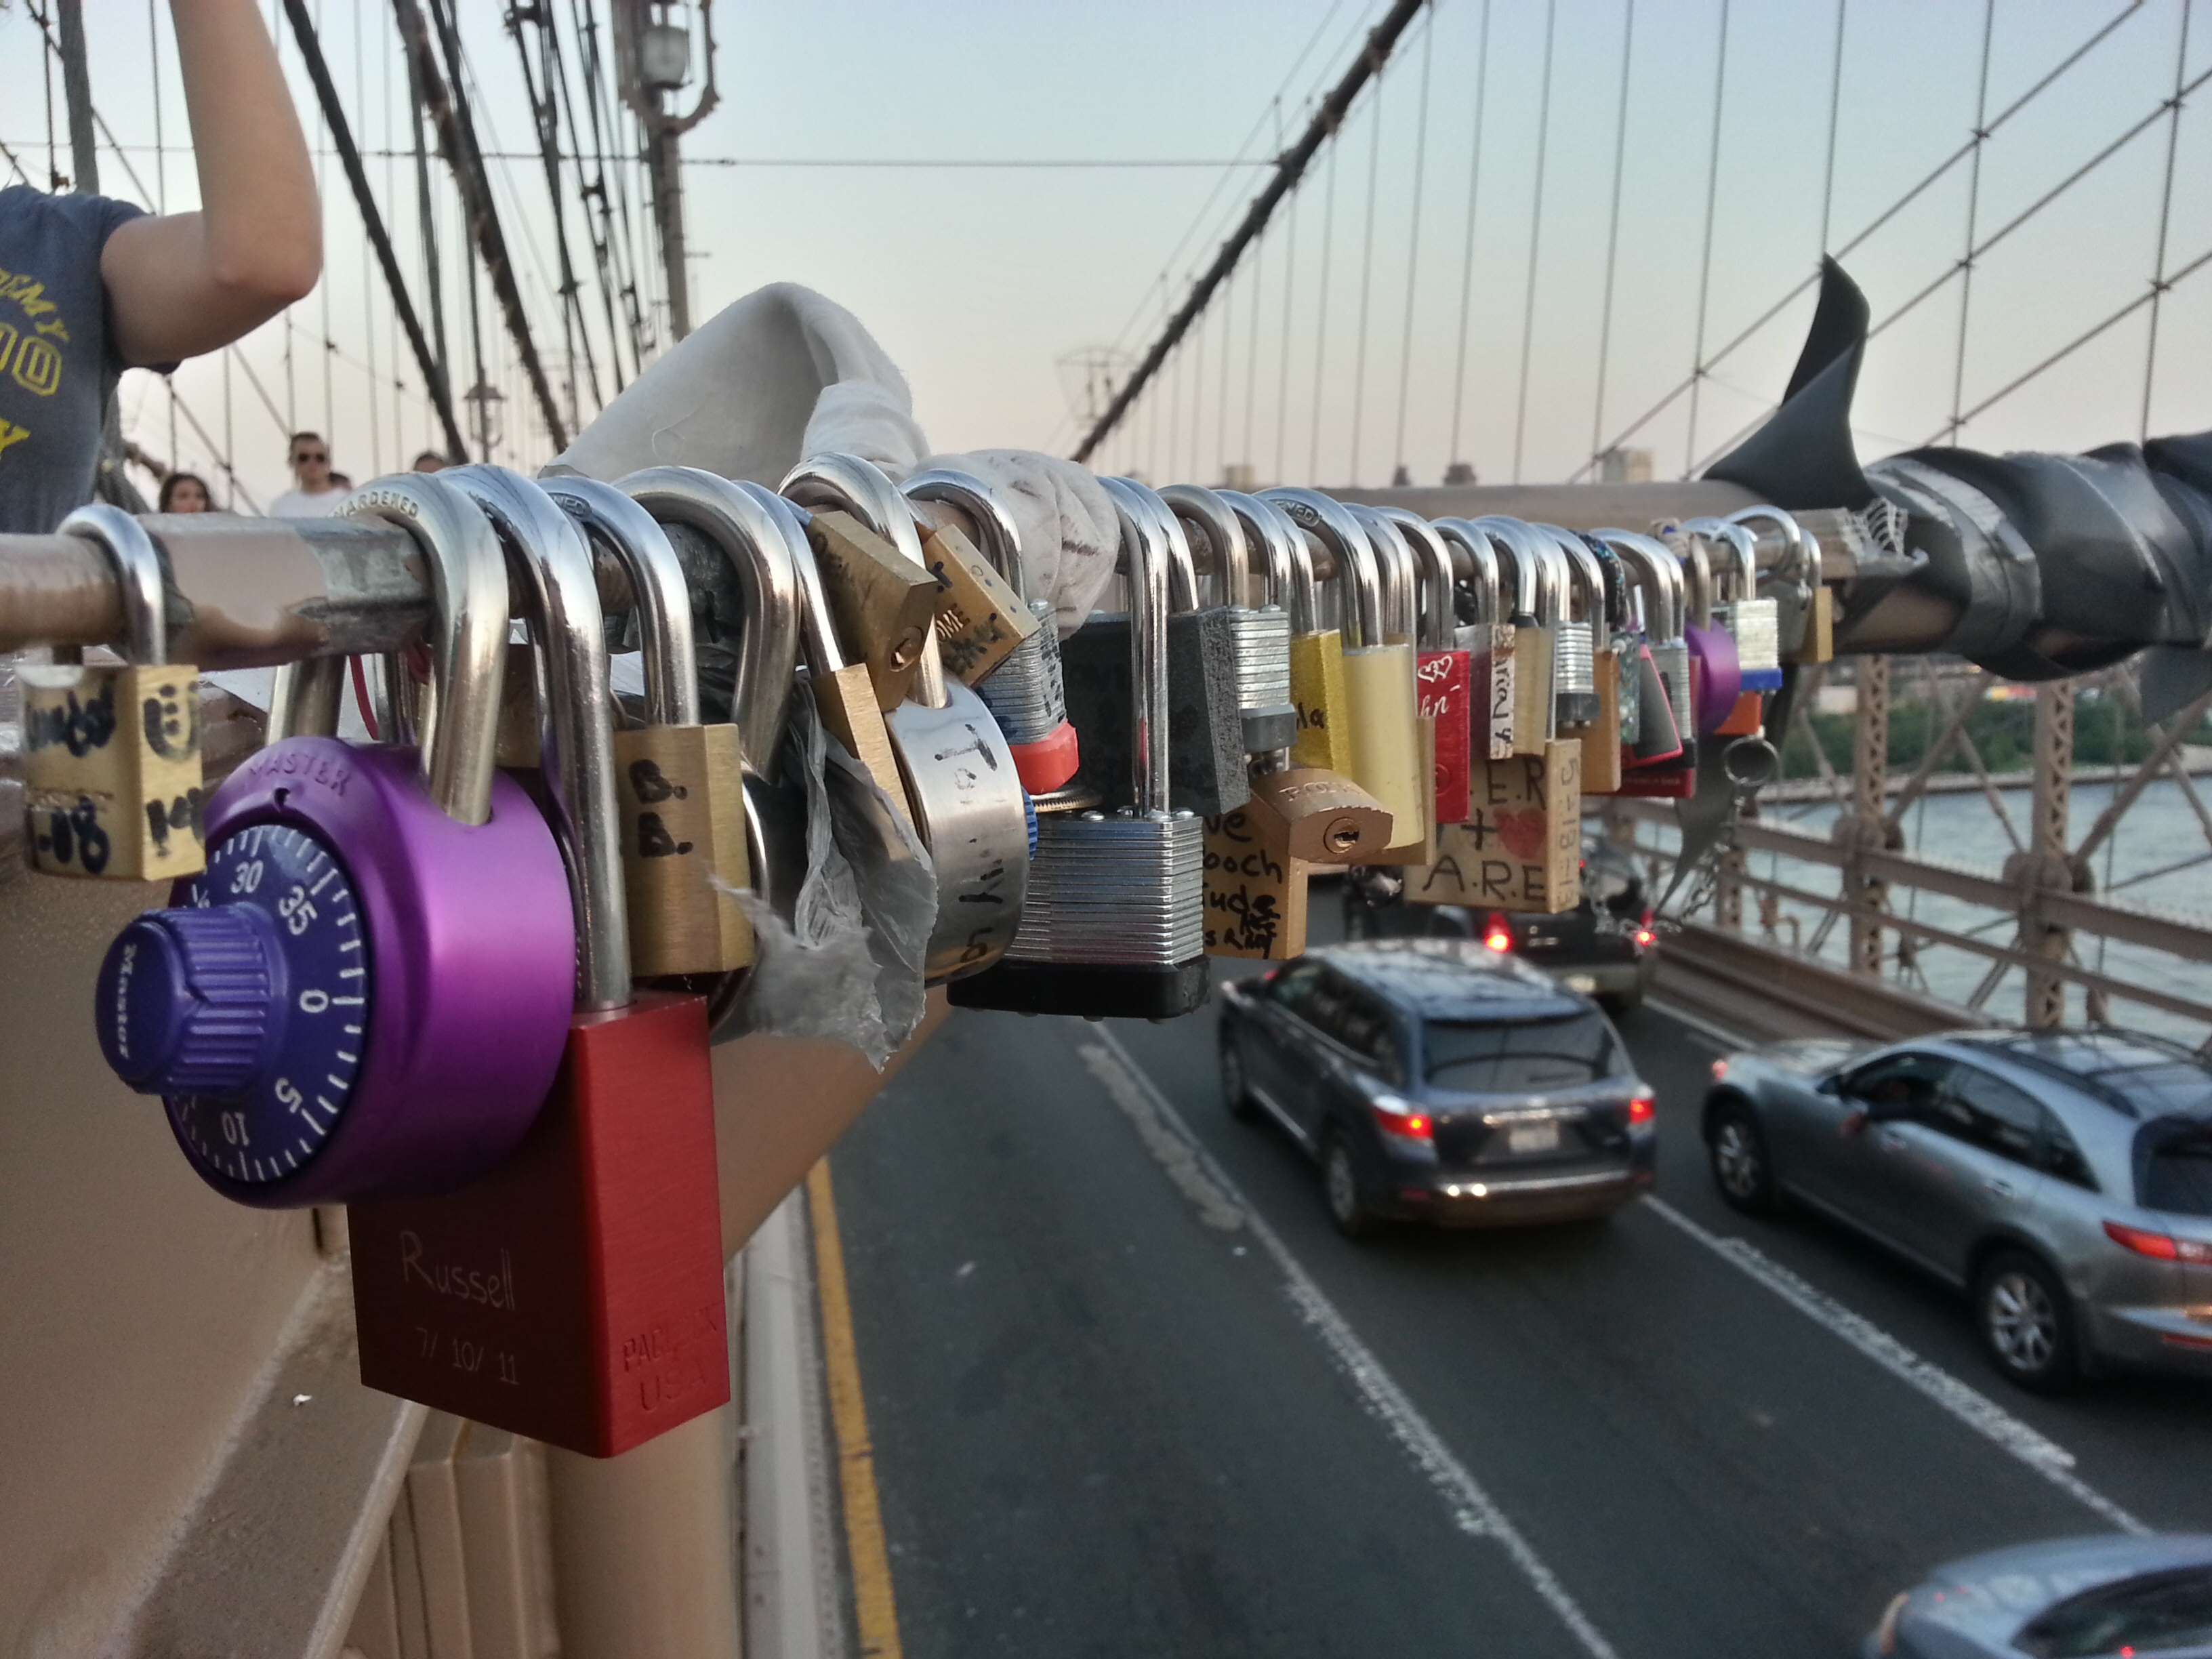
pixel 1689 553
pixel 1289 561
pixel 1394 564
pixel 1539 569
pixel 139 582
pixel 1432 584
pixel 852 483
pixel 1235 580
pixel 1324 518
pixel 998 538
pixel 1582 564
pixel 1742 544
pixel 1144 559
pixel 1468 541
pixel 751 536
pixel 633 537
pixel 456 717
pixel 1801 559
pixel 1613 574
pixel 560 591
pixel 1659 578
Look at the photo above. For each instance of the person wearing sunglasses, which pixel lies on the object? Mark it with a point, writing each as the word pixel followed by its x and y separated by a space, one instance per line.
pixel 94 286
pixel 316 491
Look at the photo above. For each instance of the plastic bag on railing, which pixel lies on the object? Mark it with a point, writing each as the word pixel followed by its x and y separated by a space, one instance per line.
pixel 814 976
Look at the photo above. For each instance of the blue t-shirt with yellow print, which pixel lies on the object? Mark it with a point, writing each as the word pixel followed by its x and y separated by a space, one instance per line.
pixel 57 365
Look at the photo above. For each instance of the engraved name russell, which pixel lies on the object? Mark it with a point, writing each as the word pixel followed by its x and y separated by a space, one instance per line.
pixel 493 1288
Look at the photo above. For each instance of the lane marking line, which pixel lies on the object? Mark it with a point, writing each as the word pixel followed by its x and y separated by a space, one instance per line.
pixel 1474 1511
pixel 874 1608
pixel 1969 1405
pixel 1726 1041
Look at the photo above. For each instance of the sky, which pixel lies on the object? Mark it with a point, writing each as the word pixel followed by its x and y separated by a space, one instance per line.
pixel 983 282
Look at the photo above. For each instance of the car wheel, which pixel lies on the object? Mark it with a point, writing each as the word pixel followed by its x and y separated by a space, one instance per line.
pixel 1236 1092
pixel 1741 1168
pixel 2027 1322
pixel 1617 1003
pixel 1347 1206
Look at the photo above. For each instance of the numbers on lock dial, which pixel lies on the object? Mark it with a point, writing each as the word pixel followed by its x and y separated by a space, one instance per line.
pixel 318 1006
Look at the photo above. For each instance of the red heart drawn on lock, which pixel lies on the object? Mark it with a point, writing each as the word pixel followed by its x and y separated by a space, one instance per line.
pixel 1522 832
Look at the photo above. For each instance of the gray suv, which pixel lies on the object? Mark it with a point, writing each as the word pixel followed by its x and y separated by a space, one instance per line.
pixel 2062 1178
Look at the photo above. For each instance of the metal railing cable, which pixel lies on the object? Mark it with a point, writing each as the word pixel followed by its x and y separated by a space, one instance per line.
pixel 1535 232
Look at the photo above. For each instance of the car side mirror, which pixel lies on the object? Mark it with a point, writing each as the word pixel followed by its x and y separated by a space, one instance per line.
pixel 1830 1084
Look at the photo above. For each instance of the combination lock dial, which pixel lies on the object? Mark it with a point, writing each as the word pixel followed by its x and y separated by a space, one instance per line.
pixel 247 1008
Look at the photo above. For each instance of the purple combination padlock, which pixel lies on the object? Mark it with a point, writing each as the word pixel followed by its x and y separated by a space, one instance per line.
pixel 367 993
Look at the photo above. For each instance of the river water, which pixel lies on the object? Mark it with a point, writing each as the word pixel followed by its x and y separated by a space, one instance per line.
pixel 2160 831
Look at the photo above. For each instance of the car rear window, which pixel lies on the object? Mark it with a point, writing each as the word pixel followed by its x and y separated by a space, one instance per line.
pixel 2174 1166
pixel 2156 1613
pixel 1493 1057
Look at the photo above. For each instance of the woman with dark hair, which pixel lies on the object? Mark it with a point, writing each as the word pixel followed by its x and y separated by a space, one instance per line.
pixel 186 492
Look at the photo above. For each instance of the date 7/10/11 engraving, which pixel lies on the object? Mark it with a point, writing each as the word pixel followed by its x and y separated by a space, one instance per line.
pixel 467 1356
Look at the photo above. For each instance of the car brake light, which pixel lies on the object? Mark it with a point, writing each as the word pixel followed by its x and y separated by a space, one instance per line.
pixel 2158 1246
pixel 1643 1107
pixel 1397 1117
pixel 1498 932
pixel 1644 937
pixel 1720 1070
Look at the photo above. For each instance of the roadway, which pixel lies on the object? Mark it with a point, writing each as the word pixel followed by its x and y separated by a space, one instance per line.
pixel 1129 1393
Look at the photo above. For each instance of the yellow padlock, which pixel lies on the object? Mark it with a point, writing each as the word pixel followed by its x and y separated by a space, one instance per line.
pixel 1382 704
pixel 1316 652
pixel 112 775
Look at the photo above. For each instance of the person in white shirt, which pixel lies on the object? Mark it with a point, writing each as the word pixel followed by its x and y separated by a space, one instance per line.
pixel 316 494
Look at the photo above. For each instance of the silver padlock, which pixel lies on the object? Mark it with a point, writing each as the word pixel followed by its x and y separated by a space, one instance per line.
pixel 1258 629
pixel 1749 619
pixel 1114 923
pixel 961 782
pixel 1789 580
pixel 1659 579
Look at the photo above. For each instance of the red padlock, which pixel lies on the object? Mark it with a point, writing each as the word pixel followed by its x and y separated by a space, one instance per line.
pixel 575 1295
pixel 1443 675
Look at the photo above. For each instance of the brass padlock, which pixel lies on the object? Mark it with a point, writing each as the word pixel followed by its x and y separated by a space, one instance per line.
pixel 1444 667
pixel 1535 710
pixel 981 617
pixel 1485 635
pixel 1255 890
pixel 111 776
pixel 1396 563
pixel 881 600
pixel 679 783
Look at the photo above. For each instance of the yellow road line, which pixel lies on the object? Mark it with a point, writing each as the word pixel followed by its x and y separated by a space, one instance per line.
pixel 848 1412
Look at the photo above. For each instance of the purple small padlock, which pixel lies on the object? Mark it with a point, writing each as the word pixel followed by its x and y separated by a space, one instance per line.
pixel 368 992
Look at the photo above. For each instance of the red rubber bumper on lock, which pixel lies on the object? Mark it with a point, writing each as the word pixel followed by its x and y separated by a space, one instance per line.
pixel 1045 765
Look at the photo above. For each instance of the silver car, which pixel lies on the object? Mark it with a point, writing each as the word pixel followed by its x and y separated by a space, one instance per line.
pixel 2073 1596
pixel 2062 1178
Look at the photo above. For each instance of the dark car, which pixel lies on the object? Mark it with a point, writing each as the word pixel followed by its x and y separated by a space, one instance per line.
pixel 2063 1179
pixel 1433 1079
pixel 2101 1595
pixel 1605 947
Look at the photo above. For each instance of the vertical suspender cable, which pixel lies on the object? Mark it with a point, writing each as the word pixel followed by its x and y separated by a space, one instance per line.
pixel 1536 235
pixel 1320 318
pixel 1288 171
pixel 1466 252
pixel 1835 107
pixel 1366 271
pixel 1973 216
pixel 1612 225
pixel 1705 265
pixel 1252 350
pixel 1413 243
pixel 1228 350
pixel 303 31
pixel 2158 282
pixel 1283 354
